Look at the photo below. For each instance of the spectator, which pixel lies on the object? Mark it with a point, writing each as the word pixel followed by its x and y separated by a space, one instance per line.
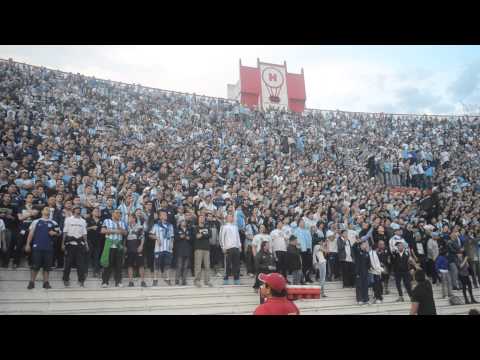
pixel 362 267
pixel 464 276
pixel 294 261
pixel 163 234
pixel 279 248
pixel 94 237
pixel 305 240
pixel 231 245
pixel 346 259
pixel 264 262
pixel 134 246
pixel 183 246
pixel 422 296
pixel 400 262
pixel 376 270
pixel 201 245
pixel 216 256
pixel 40 243
pixel 386 265
pixel 320 263
pixel 115 231
pixel 75 246
pixel 275 292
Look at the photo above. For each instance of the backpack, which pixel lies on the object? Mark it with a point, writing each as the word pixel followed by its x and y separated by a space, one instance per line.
pixel 455 300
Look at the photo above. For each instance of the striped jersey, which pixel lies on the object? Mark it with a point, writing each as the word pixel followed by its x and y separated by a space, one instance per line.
pixel 112 225
pixel 164 235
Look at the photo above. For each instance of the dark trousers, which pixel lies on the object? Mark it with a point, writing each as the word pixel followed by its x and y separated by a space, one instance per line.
pixel 242 241
pixel 332 267
pixel 306 265
pixel 362 287
pixel 10 238
pixel 431 271
pixel 281 262
pixel 385 279
pixel 19 251
pixel 377 287
pixel 250 260
pixel 407 282
pixel 215 256
pixel 114 263
pixel 232 266
pixel 182 266
pixel 348 275
pixel 94 255
pixel 58 254
pixel 75 254
pixel 148 249
pixel 465 281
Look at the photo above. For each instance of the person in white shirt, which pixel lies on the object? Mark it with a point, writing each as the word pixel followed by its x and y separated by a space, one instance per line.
pixel 332 256
pixel 75 246
pixel 259 238
pixel 395 239
pixel 279 248
pixel 320 263
pixel 376 271
pixel 229 240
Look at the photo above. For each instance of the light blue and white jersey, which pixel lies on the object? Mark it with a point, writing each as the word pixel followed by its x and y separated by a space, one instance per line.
pixel 165 235
pixel 112 225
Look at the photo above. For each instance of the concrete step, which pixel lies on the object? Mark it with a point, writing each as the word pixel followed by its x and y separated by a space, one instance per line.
pixel 174 300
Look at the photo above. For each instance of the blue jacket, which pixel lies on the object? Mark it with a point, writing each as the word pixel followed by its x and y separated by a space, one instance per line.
pixel 240 219
pixel 441 263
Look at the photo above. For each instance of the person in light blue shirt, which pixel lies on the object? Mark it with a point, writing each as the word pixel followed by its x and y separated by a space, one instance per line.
pixel 305 240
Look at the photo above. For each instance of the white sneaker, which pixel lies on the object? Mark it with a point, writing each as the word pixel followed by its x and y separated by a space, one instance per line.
pixel 379 301
pixel 120 285
pixel 104 286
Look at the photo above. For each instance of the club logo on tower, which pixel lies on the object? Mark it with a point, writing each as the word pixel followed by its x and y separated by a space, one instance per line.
pixel 273 80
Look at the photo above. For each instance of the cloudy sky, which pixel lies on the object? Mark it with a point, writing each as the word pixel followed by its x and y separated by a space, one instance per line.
pixel 400 79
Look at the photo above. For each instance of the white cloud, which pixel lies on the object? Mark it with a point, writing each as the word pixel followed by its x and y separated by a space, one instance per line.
pixel 334 76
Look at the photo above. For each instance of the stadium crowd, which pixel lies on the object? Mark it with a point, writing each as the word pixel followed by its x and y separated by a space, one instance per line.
pixel 105 176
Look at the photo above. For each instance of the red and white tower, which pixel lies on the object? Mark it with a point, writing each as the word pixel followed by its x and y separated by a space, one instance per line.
pixel 269 86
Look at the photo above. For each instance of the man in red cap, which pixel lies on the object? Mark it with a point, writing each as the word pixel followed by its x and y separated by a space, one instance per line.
pixel 274 289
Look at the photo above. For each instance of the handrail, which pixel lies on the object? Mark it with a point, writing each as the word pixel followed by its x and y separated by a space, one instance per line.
pixel 307 110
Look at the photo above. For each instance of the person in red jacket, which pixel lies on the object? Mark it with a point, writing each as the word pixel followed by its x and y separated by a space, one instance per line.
pixel 274 289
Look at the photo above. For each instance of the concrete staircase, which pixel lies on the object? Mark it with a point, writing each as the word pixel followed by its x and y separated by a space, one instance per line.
pixel 182 300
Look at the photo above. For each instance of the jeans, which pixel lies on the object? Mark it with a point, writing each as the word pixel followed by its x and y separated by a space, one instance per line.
pixel 446 284
pixel 75 254
pixel 202 257
pixel 332 266
pixel 322 269
pixel 362 287
pixel 296 277
pixel 405 276
pixel 182 265
pixel 114 263
pixel 453 270
pixel 281 262
pixel 232 264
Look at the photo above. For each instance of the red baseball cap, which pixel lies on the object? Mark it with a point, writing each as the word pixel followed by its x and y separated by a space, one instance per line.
pixel 275 280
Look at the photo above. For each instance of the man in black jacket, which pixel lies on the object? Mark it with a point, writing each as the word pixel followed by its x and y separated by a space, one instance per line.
pixel 400 262
pixel 362 265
